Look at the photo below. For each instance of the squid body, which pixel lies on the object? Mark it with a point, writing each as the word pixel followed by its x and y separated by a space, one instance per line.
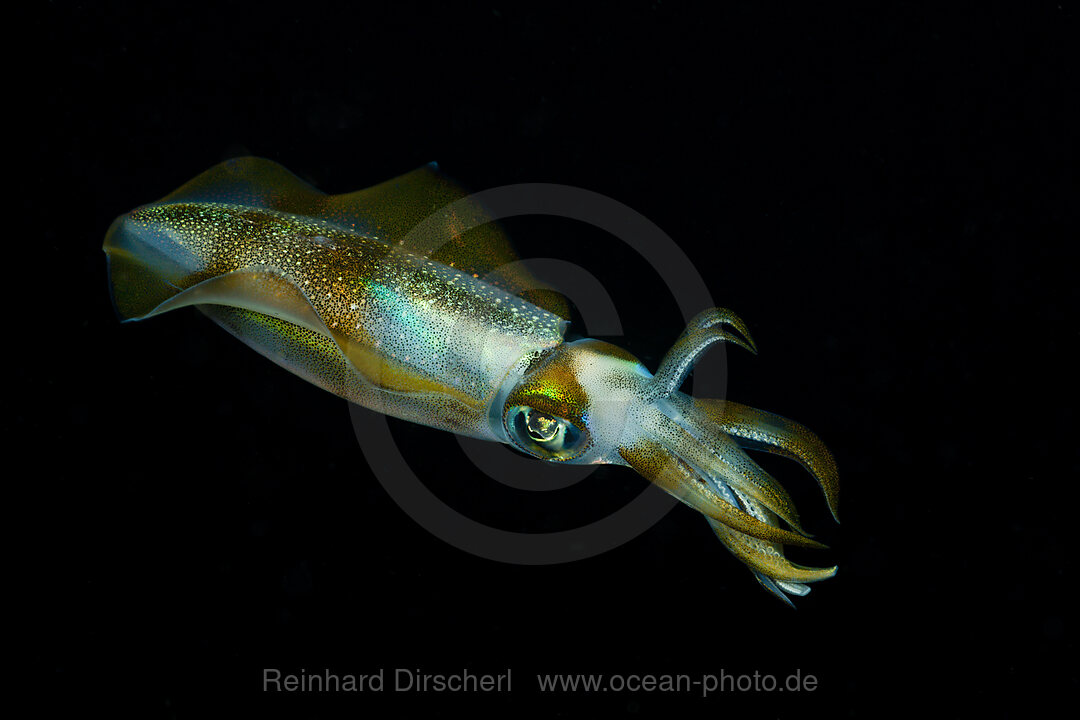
pixel 405 298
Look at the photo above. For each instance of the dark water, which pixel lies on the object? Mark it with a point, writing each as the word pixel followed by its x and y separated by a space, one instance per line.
pixel 889 200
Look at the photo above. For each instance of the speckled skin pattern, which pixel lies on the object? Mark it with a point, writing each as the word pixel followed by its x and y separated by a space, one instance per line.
pixel 393 301
pixel 429 343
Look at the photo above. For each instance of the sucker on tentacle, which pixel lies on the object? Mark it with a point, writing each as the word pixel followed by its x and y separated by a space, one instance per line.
pixel 328 287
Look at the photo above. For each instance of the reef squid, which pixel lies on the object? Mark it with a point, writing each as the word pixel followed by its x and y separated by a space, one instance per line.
pixel 406 299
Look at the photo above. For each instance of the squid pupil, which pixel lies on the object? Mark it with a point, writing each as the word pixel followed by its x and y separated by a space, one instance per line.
pixel 541 427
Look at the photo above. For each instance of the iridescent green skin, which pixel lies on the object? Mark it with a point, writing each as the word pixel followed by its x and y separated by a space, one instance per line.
pixel 337 289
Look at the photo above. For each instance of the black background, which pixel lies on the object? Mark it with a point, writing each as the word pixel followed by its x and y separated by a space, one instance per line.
pixel 888 197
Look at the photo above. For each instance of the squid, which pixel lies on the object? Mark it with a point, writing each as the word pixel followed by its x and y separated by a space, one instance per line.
pixel 405 298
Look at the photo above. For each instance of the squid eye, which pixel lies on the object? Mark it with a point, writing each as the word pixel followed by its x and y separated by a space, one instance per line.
pixel 541 427
pixel 543 435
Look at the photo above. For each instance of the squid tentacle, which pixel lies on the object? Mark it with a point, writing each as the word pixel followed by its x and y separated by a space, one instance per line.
pixel 714 431
pixel 724 483
pixel 665 468
pixel 779 588
pixel 760 430
pixel 794 588
pixel 719 457
pixel 719 316
pixel 681 358
pixel 700 334
pixel 765 557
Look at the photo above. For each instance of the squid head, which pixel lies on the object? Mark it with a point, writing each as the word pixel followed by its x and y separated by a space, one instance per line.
pixel 593 402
